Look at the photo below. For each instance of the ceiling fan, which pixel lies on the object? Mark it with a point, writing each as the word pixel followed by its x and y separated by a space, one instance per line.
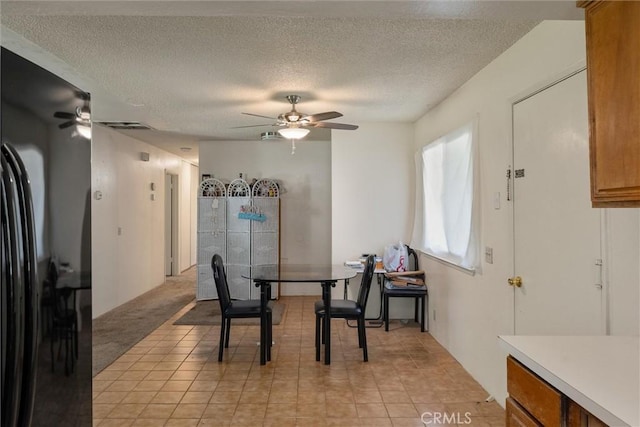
pixel 294 124
pixel 81 116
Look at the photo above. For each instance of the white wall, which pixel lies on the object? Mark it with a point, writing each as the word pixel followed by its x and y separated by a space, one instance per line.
pixel 127 225
pixel 305 206
pixel 69 205
pixel 372 176
pixel 470 311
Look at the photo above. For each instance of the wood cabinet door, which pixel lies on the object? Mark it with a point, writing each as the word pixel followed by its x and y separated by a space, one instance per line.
pixel 613 66
pixel 517 416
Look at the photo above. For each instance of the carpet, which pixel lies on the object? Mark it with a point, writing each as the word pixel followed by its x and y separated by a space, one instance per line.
pixel 118 330
pixel 208 313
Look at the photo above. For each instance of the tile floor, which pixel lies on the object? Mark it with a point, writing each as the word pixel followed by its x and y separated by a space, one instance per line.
pixel 173 378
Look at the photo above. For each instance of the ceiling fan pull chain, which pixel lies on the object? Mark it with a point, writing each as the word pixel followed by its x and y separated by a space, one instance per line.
pixel 293 147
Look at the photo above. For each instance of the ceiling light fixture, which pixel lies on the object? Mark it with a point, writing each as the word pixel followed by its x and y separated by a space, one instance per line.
pixel 293 132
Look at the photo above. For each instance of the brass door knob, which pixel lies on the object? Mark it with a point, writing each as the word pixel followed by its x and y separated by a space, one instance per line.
pixel 515 281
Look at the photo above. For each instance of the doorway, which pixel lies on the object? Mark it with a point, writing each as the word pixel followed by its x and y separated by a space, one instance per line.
pixel 557 235
pixel 171 224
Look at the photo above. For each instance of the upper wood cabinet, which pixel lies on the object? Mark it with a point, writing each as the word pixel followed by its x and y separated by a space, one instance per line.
pixel 613 71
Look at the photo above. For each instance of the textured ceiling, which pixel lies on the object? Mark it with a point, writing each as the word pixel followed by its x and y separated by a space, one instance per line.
pixel 193 67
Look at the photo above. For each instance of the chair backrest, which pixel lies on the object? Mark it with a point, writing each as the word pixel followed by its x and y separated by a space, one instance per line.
pixel 412 254
pixel 367 277
pixel 220 277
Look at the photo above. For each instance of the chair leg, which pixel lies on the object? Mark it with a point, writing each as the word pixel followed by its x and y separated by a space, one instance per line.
pixel 269 335
pixel 364 340
pixel 228 331
pixel 75 339
pixel 318 338
pixel 386 312
pixel 223 325
pixel 415 316
pixel 322 331
pixel 422 313
pixel 52 335
pixel 360 325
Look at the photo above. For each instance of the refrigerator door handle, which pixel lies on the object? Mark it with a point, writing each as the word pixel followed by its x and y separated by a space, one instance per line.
pixel 30 280
pixel 12 381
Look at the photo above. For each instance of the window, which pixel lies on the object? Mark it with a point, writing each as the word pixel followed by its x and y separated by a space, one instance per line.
pixel 446 224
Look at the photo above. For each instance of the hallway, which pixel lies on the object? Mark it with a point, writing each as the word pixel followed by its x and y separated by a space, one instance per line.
pixel 172 378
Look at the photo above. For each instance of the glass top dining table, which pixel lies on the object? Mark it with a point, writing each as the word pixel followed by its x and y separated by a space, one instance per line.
pixel 325 274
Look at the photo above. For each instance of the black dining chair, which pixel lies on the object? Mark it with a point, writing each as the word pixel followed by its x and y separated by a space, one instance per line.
pixel 234 309
pixel 63 320
pixel 419 293
pixel 349 310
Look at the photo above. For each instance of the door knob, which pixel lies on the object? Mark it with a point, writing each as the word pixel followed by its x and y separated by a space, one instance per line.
pixel 515 281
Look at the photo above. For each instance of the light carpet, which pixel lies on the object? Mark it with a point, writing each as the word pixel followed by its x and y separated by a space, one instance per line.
pixel 118 330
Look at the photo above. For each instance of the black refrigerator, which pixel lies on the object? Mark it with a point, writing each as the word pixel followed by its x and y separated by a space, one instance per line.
pixel 45 168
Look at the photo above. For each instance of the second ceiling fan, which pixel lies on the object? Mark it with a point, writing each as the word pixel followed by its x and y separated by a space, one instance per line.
pixel 294 124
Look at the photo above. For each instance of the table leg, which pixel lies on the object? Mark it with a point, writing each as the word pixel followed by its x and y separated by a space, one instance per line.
pixel 263 321
pixel 326 296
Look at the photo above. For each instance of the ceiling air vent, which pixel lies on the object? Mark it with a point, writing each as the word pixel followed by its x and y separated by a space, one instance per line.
pixel 126 125
pixel 270 136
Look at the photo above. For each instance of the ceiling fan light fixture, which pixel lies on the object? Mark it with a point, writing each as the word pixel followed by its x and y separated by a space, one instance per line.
pixel 293 132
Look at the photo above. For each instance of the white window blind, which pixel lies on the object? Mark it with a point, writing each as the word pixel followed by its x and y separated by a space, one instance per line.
pixel 446 223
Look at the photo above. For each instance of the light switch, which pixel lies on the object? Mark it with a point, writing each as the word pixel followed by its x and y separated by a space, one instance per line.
pixel 488 255
pixel 496 200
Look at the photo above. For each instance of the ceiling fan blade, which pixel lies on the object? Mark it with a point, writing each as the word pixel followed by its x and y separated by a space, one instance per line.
pixel 330 125
pixel 323 116
pixel 258 115
pixel 63 115
pixel 66 124
pixel 252 126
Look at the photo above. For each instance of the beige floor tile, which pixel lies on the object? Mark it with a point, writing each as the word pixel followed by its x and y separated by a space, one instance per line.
pixel 173 422
pixel 172 377
pixel 119 385
pixel 197 397
pixel 225 396
pixel 101 385
pixel 176 385
pixel 110 397
pixel 158 411
pixel 133 375
pixel 116 422
pixel 189 410
pixel 401 410
pixel 372 410
pixel 139 397
pixel 220 410
pixel 184 375
pixel 376 422
pixel 127 410
pixel 203 386
pixel 101 410
pixel 149 422
pixel 168 397
pixel 149 385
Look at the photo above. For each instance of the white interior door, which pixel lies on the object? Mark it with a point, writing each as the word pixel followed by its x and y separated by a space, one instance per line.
pixel 557 233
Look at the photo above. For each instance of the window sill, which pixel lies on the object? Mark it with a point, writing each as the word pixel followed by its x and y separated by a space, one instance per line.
pixel 469 271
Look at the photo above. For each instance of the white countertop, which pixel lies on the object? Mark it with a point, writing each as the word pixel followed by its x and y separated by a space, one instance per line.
pixel 600 373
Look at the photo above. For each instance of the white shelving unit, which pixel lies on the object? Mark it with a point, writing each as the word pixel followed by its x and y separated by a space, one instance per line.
pixel 241 242
pixel 212 234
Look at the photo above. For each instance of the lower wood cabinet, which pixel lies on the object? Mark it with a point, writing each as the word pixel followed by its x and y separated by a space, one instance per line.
pixel 533 402
pixel 579 417
pixel 518 416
